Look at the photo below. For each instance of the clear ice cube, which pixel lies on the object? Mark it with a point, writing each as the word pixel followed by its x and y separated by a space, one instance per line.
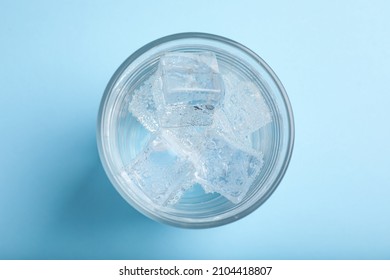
pixel 160 173
pixel 143 107
pixel 244 111
pixel 188 90
pixel 226 169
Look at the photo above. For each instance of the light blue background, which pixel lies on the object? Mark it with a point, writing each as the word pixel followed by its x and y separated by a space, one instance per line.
pixel 56 58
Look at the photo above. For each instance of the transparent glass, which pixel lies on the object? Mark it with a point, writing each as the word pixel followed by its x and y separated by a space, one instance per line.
pixel 121 137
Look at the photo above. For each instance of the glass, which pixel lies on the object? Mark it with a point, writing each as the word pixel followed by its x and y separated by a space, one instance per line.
pixel 121 137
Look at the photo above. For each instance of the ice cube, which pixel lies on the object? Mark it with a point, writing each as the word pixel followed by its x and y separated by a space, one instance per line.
pixel 160 173
pixel 143 107
pixel 188 90
pixel 226 169
pixel 244 111
pixel 190 78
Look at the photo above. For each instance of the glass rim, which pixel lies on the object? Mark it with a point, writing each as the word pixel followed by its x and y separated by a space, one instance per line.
pixel 287 106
